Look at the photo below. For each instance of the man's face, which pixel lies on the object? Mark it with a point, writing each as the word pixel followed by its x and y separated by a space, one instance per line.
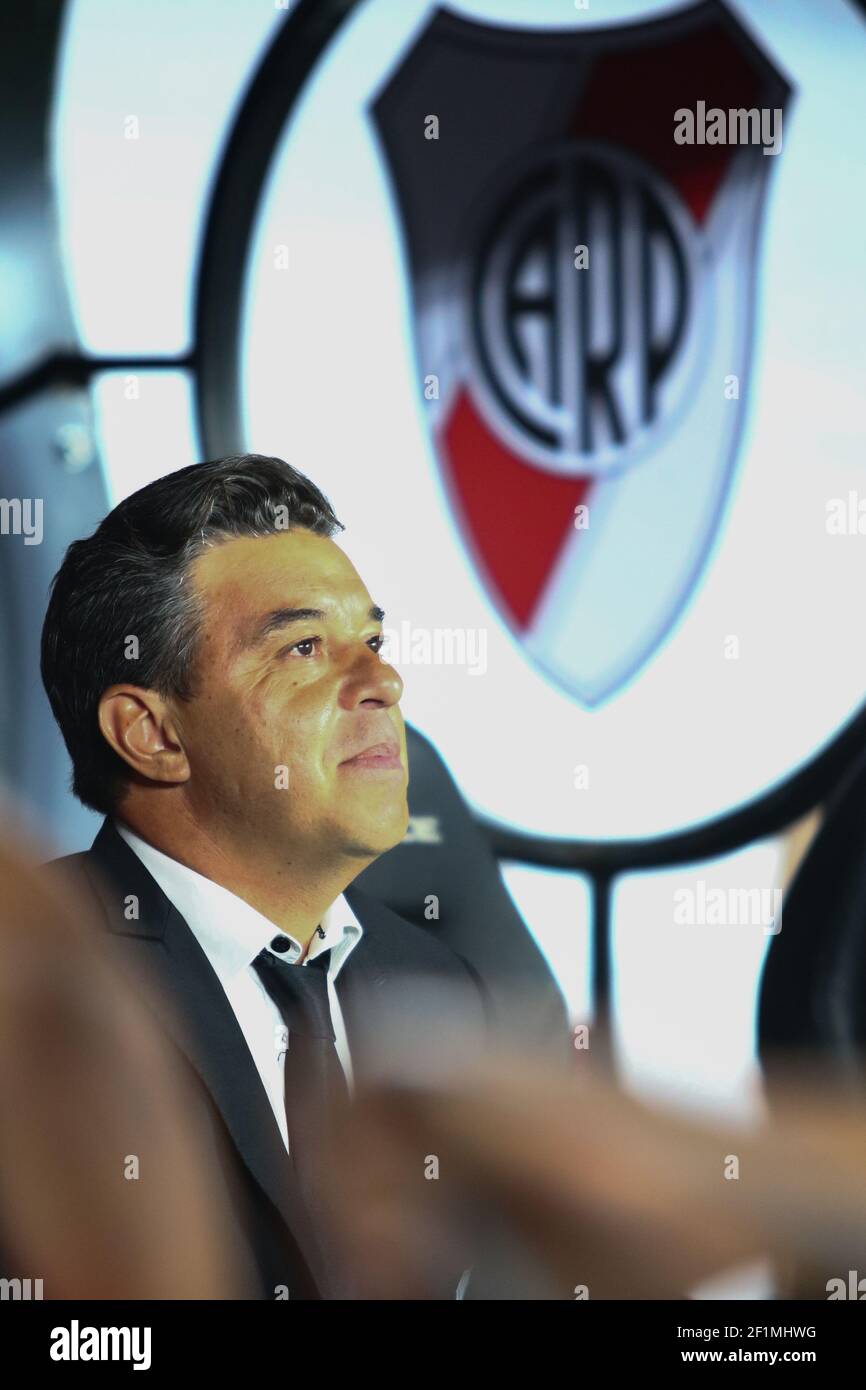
pixel 284 703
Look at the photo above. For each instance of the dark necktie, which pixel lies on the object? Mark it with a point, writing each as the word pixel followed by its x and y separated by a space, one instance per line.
pixel 314 1079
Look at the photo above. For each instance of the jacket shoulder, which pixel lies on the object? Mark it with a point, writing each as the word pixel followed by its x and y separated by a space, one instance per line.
pixel 68 868
pixel 73 874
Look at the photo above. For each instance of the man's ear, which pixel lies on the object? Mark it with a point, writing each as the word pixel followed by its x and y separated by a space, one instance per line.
pixel 139 726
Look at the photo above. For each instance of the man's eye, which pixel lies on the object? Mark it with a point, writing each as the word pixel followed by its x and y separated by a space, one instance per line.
pixel 306 645
pixel 304 642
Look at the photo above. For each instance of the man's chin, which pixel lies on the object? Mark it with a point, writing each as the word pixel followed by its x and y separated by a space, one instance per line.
pixel 371 839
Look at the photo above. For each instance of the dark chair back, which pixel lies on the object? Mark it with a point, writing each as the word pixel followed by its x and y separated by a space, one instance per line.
pixel 445 878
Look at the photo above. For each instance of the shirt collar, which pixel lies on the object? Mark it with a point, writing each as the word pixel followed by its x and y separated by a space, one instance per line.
pixel 232 932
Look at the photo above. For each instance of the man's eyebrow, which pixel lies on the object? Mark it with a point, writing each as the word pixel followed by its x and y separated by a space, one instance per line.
pixel 280 618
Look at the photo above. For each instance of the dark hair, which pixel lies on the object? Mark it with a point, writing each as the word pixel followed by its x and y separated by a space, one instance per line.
pixel 128 579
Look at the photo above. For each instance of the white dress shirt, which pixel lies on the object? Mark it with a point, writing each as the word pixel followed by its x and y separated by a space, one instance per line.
pixel 232 933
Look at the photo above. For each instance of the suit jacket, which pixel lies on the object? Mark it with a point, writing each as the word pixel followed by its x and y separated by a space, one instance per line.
pixel 279 1244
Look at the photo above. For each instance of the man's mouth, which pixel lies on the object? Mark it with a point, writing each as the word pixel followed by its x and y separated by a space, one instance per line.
pixel 378 755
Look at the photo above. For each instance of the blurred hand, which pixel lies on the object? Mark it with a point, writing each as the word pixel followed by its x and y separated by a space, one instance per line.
pixel 590 1187
pixel 87 1084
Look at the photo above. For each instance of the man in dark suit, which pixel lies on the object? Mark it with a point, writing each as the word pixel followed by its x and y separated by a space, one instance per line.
pixel 212 659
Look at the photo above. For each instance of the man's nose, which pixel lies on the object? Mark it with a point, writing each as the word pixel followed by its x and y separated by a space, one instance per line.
pixel 372 681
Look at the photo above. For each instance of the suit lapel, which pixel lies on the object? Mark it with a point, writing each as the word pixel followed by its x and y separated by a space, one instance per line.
pixel 413 1015
pixel 395 991
pixel 193 1008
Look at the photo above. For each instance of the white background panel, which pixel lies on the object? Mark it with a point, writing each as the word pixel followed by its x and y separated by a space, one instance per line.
pixel 130 210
